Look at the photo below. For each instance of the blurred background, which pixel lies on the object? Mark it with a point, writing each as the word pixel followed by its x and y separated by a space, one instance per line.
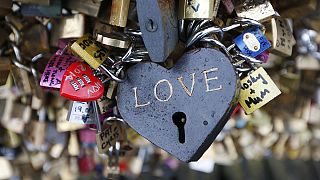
pixel 39 139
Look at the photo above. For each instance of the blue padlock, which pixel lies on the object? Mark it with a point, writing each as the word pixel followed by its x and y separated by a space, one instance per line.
pixel 252 42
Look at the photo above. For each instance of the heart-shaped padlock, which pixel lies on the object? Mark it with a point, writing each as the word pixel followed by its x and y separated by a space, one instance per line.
pixel 183 109
pixel 79 83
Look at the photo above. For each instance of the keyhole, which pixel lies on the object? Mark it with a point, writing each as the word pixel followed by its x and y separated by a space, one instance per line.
pixel 179 119
pixel 151 25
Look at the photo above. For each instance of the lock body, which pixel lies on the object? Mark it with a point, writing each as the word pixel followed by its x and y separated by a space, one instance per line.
pixel 196 9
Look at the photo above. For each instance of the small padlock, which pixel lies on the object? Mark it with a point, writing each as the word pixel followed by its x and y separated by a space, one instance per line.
pixel 259 11
pixel 63 125
pixel 21 79
pixel 257 89
pixel 118 12
pixel 80 84
pixel 196 9
pixel 72 26
pixel 81 112
pixel 36 130
pixel 74 145
pixel 94 54
pixel 281 36
pixel 106 103
pixel 158 24
pixel 55 69
pixel 252 42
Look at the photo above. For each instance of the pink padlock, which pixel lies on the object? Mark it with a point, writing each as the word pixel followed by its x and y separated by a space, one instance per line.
pixel 55 69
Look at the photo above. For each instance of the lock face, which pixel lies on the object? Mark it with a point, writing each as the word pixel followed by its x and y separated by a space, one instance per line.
pixel 252 42
pixel 281 36
pixel 158 23
pixel 196 9
pixel 183 109
pixel 90 51
pixel 56 67
pixel 72 26
pixel 256 11
pixel 80 112
pixel 257 89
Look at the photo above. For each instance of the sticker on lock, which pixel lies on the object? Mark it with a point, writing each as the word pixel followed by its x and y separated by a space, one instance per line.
pixel 257 89
pixel 252 42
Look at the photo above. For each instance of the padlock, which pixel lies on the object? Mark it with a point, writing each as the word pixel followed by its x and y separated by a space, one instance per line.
pixel 54 10
pixel 57 141
pixel 7 171
pixel 257 89
pixel 158 24
pixel 196 9
pixel 55 69
pixel 252 42
pixel 34 41
pixel 90 8
pixel 87 48
pixel 21 79
pixel 118 12
pixel 5 65
pixel 181 95
pixel 72 26
pixel 281 36
pixel 94 54
pixel 81 112
pixel 259 11
pixel 79 83
pixel 63 125
pixel 10 139
pixel 15 115
pixel 36 130
pixel 74 145
pixel 114 131
pixel 39 2
pixel 106 103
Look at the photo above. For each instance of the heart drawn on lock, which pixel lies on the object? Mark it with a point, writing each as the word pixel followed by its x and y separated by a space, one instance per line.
pixel 79 83
pixel 183 109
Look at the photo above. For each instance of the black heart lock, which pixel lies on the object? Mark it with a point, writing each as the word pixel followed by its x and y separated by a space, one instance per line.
pixel 183 109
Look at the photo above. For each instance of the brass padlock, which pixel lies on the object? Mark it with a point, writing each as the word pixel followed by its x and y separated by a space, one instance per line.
pixel 281 36
pixel 67 27
pixel 258 11
pixel 21 79
pixel 118 12
pixel 196 9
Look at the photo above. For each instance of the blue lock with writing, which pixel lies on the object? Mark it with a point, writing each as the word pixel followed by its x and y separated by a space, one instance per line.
pixel 252 42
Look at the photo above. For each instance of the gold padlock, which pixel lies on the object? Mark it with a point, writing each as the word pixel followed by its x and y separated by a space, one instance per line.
pixel 67 27
pixel 118 13
pixel 255 11
pixel 196 9
pixel 257 89
pixel 281 36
